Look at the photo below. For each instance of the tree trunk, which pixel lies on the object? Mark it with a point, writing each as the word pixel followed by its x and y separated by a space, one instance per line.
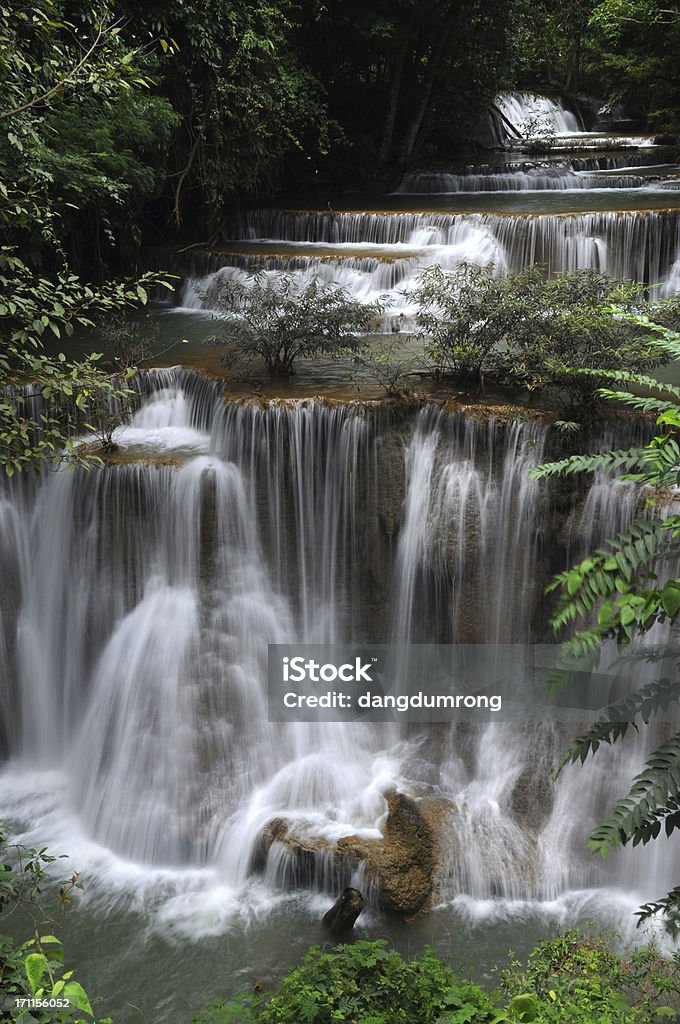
pixel 427 87
pixel 344 912
pixel 393 104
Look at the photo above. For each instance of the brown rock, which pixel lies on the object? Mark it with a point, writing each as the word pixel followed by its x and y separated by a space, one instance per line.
pixel 403 865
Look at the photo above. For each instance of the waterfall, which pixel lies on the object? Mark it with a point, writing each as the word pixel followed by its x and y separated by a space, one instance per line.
pixel 533 116
pixel 432 182
pixel 550 177
pixel 641 245
pixel 140 601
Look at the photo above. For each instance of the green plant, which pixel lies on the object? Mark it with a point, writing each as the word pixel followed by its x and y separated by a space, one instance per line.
pixel 387 365
pixel 362 983
pixel 32 975
pixel 619 592
pixel 578 979
pixel 572 979
pixel 464 319
pixel 279 320
pixel 68 83
pixel 48 398
pixel 528 331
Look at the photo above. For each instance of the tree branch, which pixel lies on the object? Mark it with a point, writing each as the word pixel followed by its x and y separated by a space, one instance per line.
pixel 55 88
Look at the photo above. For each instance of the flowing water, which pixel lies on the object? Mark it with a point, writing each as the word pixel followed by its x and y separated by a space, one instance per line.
pixel 616 210
pixel 138 604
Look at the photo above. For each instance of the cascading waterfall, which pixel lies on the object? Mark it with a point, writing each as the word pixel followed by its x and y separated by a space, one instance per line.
pixel 643 246
pixel 555 206
pixel 532 115
pixel 630 243
pixel 140 601
pixel 538 178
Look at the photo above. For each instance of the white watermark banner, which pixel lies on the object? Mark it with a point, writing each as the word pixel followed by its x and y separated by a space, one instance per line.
pixel 446 682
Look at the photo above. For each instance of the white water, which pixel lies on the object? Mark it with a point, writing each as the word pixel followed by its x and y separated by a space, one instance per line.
pixel 536 116
pixel 137 611
pixel 379 255
pixel 640 245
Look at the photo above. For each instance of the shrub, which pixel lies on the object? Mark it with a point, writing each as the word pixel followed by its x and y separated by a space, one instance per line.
pixel 362 983
pixel 573 979
pixel 279 320
pixel 577 979
pixel 528 331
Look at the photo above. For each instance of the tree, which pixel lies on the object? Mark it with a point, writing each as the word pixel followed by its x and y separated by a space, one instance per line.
pixel 637 44
pixel 464 318
pixel 80 133
pixel 245 98
pixel 622 52
pixel 280 320
pixel 50 63
pixel 619 592
pixel 405 77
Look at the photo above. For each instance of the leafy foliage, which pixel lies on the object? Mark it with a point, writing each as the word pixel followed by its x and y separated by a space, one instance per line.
pixel 387 364
pixel 57 70
pixel 465 317
pixel 82 130
pixel 529 331
pixel 34 969
pixel 620 50
pixel 46 398
pixel 573 979
pixel 577 979
pixel 278 320
pixel 621 591
pixel 244 93
pixel 361 983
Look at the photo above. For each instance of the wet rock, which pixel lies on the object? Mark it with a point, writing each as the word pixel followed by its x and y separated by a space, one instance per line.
pixel 533 795
pixel 403 864
pixel 274 831
pixel 297 861
pixel 402 867
pixel 344 912
pixel 391 484
pixel 408 864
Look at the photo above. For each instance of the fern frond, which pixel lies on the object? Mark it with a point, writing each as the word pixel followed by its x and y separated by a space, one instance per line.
pixel 630 377
pixel 643 405
pixel 654 796
pixel 622 459
pixel 613 569
pixel 649 653
pixel 660 463
pixel 616 719
pixel 668 906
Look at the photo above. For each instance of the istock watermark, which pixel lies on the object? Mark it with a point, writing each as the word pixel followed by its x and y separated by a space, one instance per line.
pixel 436 683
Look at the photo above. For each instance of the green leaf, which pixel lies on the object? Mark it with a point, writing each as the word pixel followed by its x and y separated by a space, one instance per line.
pixel 35 966
pixel 524 1008
pixel 76 995
pixel 670 597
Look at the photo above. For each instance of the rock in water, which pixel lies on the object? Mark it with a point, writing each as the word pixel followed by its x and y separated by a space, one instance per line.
pixel 344 912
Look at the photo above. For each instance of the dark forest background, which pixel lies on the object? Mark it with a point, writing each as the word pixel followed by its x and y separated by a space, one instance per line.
pixel 209 104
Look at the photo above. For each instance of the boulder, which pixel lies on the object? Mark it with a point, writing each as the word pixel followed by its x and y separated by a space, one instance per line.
pixel 533 795
pixel 401 867
pixel 403 864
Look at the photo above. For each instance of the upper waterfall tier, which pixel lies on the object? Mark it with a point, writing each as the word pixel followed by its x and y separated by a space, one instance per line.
pixel 374 253
pixel 532 115
pixel 540 177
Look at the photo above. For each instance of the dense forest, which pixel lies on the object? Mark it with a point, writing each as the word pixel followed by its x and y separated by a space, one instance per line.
pixel 144 125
